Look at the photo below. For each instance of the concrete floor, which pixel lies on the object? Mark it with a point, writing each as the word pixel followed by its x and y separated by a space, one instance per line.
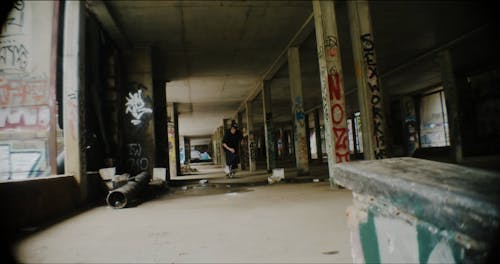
pixel 300 223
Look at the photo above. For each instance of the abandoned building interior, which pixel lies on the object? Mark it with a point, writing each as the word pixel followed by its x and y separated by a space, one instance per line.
pixel 378 119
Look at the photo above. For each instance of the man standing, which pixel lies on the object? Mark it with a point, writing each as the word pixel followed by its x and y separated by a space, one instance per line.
pixel 230 144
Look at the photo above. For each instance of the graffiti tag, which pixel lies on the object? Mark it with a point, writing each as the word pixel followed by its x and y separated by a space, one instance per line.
pixel 136 106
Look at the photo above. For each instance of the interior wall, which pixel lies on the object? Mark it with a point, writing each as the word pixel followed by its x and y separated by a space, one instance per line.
pixel 25 94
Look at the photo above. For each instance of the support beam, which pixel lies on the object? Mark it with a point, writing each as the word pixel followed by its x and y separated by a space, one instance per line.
pixel 139 126
pixel 297 102
pixel 369 88
pixel 452 104
pixel 332 84
pixel 74 94
pixel 240 122
pixel 101 12
pixel 221 131
pixel 268 125
pixel 172 142
pixel 317 133
pixel 252 148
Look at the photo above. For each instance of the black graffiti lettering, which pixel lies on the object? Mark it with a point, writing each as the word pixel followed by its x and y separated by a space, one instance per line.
pixel 380 154
pixel 331 42
pixel 366 40
pixel 373 87
pixel 378 127
pixel 377 113
pixel 372 70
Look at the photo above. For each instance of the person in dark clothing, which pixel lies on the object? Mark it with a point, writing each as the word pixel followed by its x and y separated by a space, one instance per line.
pixel 230 144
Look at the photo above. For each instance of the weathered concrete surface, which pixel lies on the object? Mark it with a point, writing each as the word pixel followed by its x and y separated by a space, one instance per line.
pixel 301 223
pixel 445 192
pixel 440 212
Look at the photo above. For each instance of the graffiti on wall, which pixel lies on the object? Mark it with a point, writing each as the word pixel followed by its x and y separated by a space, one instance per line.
pixel 338 118
pixel 172 153
pixel 13 55
pixel 16 18
pixel 16 91
pixel 20 163
pixel 32 117
pixel 331 46
pixel 24 96
pixel 136 106
pixel 252 147
pixel 270 138
pixel 14 48
pixel 299 111
pixel 376 94
pixel 136 162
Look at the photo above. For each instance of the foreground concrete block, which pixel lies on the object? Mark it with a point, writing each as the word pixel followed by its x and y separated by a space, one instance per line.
pixel 409 210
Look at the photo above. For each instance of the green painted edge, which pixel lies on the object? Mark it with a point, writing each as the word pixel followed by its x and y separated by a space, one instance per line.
pixel 369 241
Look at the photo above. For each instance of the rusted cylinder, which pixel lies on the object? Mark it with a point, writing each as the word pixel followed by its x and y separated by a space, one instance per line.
pixel 120 197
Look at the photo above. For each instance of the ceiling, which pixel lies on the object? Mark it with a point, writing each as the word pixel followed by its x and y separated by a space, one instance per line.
pixel 213 54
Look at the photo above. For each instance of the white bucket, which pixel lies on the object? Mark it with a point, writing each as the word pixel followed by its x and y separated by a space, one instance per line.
pixel 107 173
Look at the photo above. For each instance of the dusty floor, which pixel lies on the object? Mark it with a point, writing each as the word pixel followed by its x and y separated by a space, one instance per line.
pixel 288 223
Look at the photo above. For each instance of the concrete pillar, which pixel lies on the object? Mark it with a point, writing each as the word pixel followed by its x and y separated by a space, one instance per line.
pixel 187 149
pixel 221 131
pixel 317 133
pixel 452 104
pixel 240 122
pixel 161 124
pixel 138 124
pixel 332 83
pixel 308 136
pixel 252 148
pixel 369 89
pixel 268 125
pixel 172 144
pixel 297 101
pixel 182 150
pixel 74 94
pixel 409 116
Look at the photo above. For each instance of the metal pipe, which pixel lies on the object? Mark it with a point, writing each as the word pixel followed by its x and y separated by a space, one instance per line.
pixel 120 197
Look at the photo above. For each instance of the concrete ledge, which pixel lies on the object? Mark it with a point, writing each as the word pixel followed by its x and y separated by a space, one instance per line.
pixel 31 202
pixel 452 197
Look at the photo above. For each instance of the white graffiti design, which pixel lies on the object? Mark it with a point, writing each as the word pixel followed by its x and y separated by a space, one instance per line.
pixel 136 106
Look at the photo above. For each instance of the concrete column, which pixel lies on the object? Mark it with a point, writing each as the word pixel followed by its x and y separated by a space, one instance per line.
pixel 222 131
pixel 252 148
pixel 299 124
pixel 240 122
pixel 369 89
pixel 172 144
pixel 268 125
pixel 452 104
pixel 74 94
pixel 308 136
pixel 187 149
pixel 162 121
pixel 317 133
pixel 332 83
pixel 138 112
pixel 182 150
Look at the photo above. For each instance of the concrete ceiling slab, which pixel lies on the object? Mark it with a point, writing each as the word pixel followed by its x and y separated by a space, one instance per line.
pixel 210 51
pixel 214 52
